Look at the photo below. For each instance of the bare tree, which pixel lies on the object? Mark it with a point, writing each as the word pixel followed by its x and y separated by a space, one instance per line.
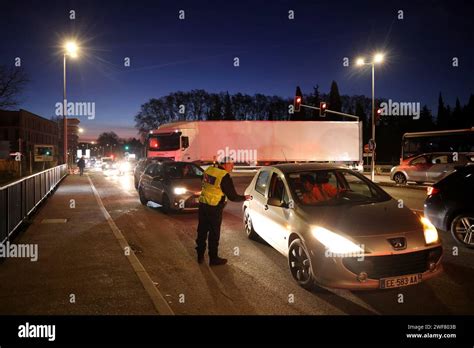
pixel 12 82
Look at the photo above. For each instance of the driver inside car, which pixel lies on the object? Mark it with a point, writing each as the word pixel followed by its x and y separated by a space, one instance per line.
pixel 319 189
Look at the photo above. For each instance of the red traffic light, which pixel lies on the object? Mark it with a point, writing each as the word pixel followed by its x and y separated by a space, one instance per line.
pixel 378 114
pixel 322 109
pixel 298 100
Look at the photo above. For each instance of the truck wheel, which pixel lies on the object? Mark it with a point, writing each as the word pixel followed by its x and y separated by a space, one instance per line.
pixel 400 178
pixel 143 199
pixel 462 229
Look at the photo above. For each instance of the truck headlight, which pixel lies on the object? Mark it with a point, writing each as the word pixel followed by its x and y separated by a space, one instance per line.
pixel 334 242
pixel 179 190
pixel 430 232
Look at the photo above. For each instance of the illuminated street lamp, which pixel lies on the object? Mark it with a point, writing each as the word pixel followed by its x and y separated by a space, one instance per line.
pixel 70 49
pixel 81 130
pixel 377 59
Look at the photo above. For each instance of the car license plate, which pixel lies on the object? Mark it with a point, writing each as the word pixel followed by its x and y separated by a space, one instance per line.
pixel 396 282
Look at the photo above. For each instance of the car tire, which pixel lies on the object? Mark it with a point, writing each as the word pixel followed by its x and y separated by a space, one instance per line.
pixel 462 229
pixel 141 194
pixel 248 227
pixel 400 178
pixel 300 265
pixel 165 204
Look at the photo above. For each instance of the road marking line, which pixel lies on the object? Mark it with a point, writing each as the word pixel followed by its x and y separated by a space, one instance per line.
pixel 220 286
pixel 161 305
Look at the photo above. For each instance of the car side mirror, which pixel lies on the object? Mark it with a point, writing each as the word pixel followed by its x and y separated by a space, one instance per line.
pixel 273 201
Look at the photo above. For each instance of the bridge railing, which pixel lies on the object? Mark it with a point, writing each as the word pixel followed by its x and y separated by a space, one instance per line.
pixel 20 198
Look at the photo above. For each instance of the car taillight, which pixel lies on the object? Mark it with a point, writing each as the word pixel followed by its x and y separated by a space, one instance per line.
pixel 432 190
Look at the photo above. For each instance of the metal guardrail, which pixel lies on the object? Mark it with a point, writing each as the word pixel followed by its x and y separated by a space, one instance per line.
pixel 18 199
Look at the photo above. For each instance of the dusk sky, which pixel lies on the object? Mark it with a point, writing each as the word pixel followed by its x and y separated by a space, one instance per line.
pixel 276 54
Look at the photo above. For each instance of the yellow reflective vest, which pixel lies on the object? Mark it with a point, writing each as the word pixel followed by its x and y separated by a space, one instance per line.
pixel 211 193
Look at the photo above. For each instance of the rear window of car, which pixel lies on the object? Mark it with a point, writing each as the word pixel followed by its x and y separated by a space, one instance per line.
pixel 262 180
pixel 458 177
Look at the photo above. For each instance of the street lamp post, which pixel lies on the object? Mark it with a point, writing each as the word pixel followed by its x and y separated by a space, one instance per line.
pixel 70 49
pixel 378 58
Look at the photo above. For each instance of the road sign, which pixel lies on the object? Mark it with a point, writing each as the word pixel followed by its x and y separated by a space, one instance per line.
pixel 44 153
pixel 366 148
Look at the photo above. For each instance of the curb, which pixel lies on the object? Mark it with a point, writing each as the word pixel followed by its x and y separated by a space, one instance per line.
pixel 411 187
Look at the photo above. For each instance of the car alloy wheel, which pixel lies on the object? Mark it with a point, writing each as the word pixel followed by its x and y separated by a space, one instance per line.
pixel 300 264
pixel 400 178
pixel 251 234
pixel 462 229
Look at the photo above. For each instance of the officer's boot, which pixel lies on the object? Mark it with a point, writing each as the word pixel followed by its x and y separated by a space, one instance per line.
pixel 216 261
pixel 200 255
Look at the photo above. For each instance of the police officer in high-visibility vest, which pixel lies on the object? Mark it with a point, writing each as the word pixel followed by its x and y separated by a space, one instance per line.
pixel 216 186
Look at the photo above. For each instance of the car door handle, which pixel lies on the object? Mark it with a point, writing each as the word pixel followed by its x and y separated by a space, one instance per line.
pixel 265 206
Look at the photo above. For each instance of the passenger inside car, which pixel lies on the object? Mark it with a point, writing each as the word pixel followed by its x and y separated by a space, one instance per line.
pixel 317 188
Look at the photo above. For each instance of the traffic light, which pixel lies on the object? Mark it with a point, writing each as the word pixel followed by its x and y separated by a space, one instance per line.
pixel 322 109
pixel 298 99
pixel 297 103
pixel 126 147
pixel 378 115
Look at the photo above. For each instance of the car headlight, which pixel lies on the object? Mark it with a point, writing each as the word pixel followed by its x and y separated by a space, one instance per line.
pixel 430 232
pixel 179 190
pixel 334 242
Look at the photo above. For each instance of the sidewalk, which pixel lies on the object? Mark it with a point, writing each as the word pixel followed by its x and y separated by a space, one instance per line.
pixel 78 259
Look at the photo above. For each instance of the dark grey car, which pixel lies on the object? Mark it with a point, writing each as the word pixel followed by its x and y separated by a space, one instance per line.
pixel 141 166
pixel 173 185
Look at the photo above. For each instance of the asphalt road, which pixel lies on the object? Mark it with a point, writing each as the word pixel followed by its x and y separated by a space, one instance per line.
pixel 256 279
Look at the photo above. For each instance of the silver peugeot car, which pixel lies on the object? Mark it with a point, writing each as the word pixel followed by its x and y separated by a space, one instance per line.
pixel 338 229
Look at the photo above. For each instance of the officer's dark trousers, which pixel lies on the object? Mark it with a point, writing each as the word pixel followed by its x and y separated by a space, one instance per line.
pixel 209 228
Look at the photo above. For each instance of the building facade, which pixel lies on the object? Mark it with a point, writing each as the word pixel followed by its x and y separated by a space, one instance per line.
pixel 21 130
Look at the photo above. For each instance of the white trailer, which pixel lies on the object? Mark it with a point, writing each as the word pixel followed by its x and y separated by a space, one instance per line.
pixel 256 142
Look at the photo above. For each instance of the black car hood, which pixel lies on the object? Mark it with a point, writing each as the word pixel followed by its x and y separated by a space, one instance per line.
pixel 363 219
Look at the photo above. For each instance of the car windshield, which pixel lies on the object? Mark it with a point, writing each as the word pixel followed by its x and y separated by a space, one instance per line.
pixel 333 187
pixel 183 171
pixel 164 142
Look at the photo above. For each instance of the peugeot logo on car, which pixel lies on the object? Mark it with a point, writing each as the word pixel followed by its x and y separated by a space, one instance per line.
pixel 398 243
